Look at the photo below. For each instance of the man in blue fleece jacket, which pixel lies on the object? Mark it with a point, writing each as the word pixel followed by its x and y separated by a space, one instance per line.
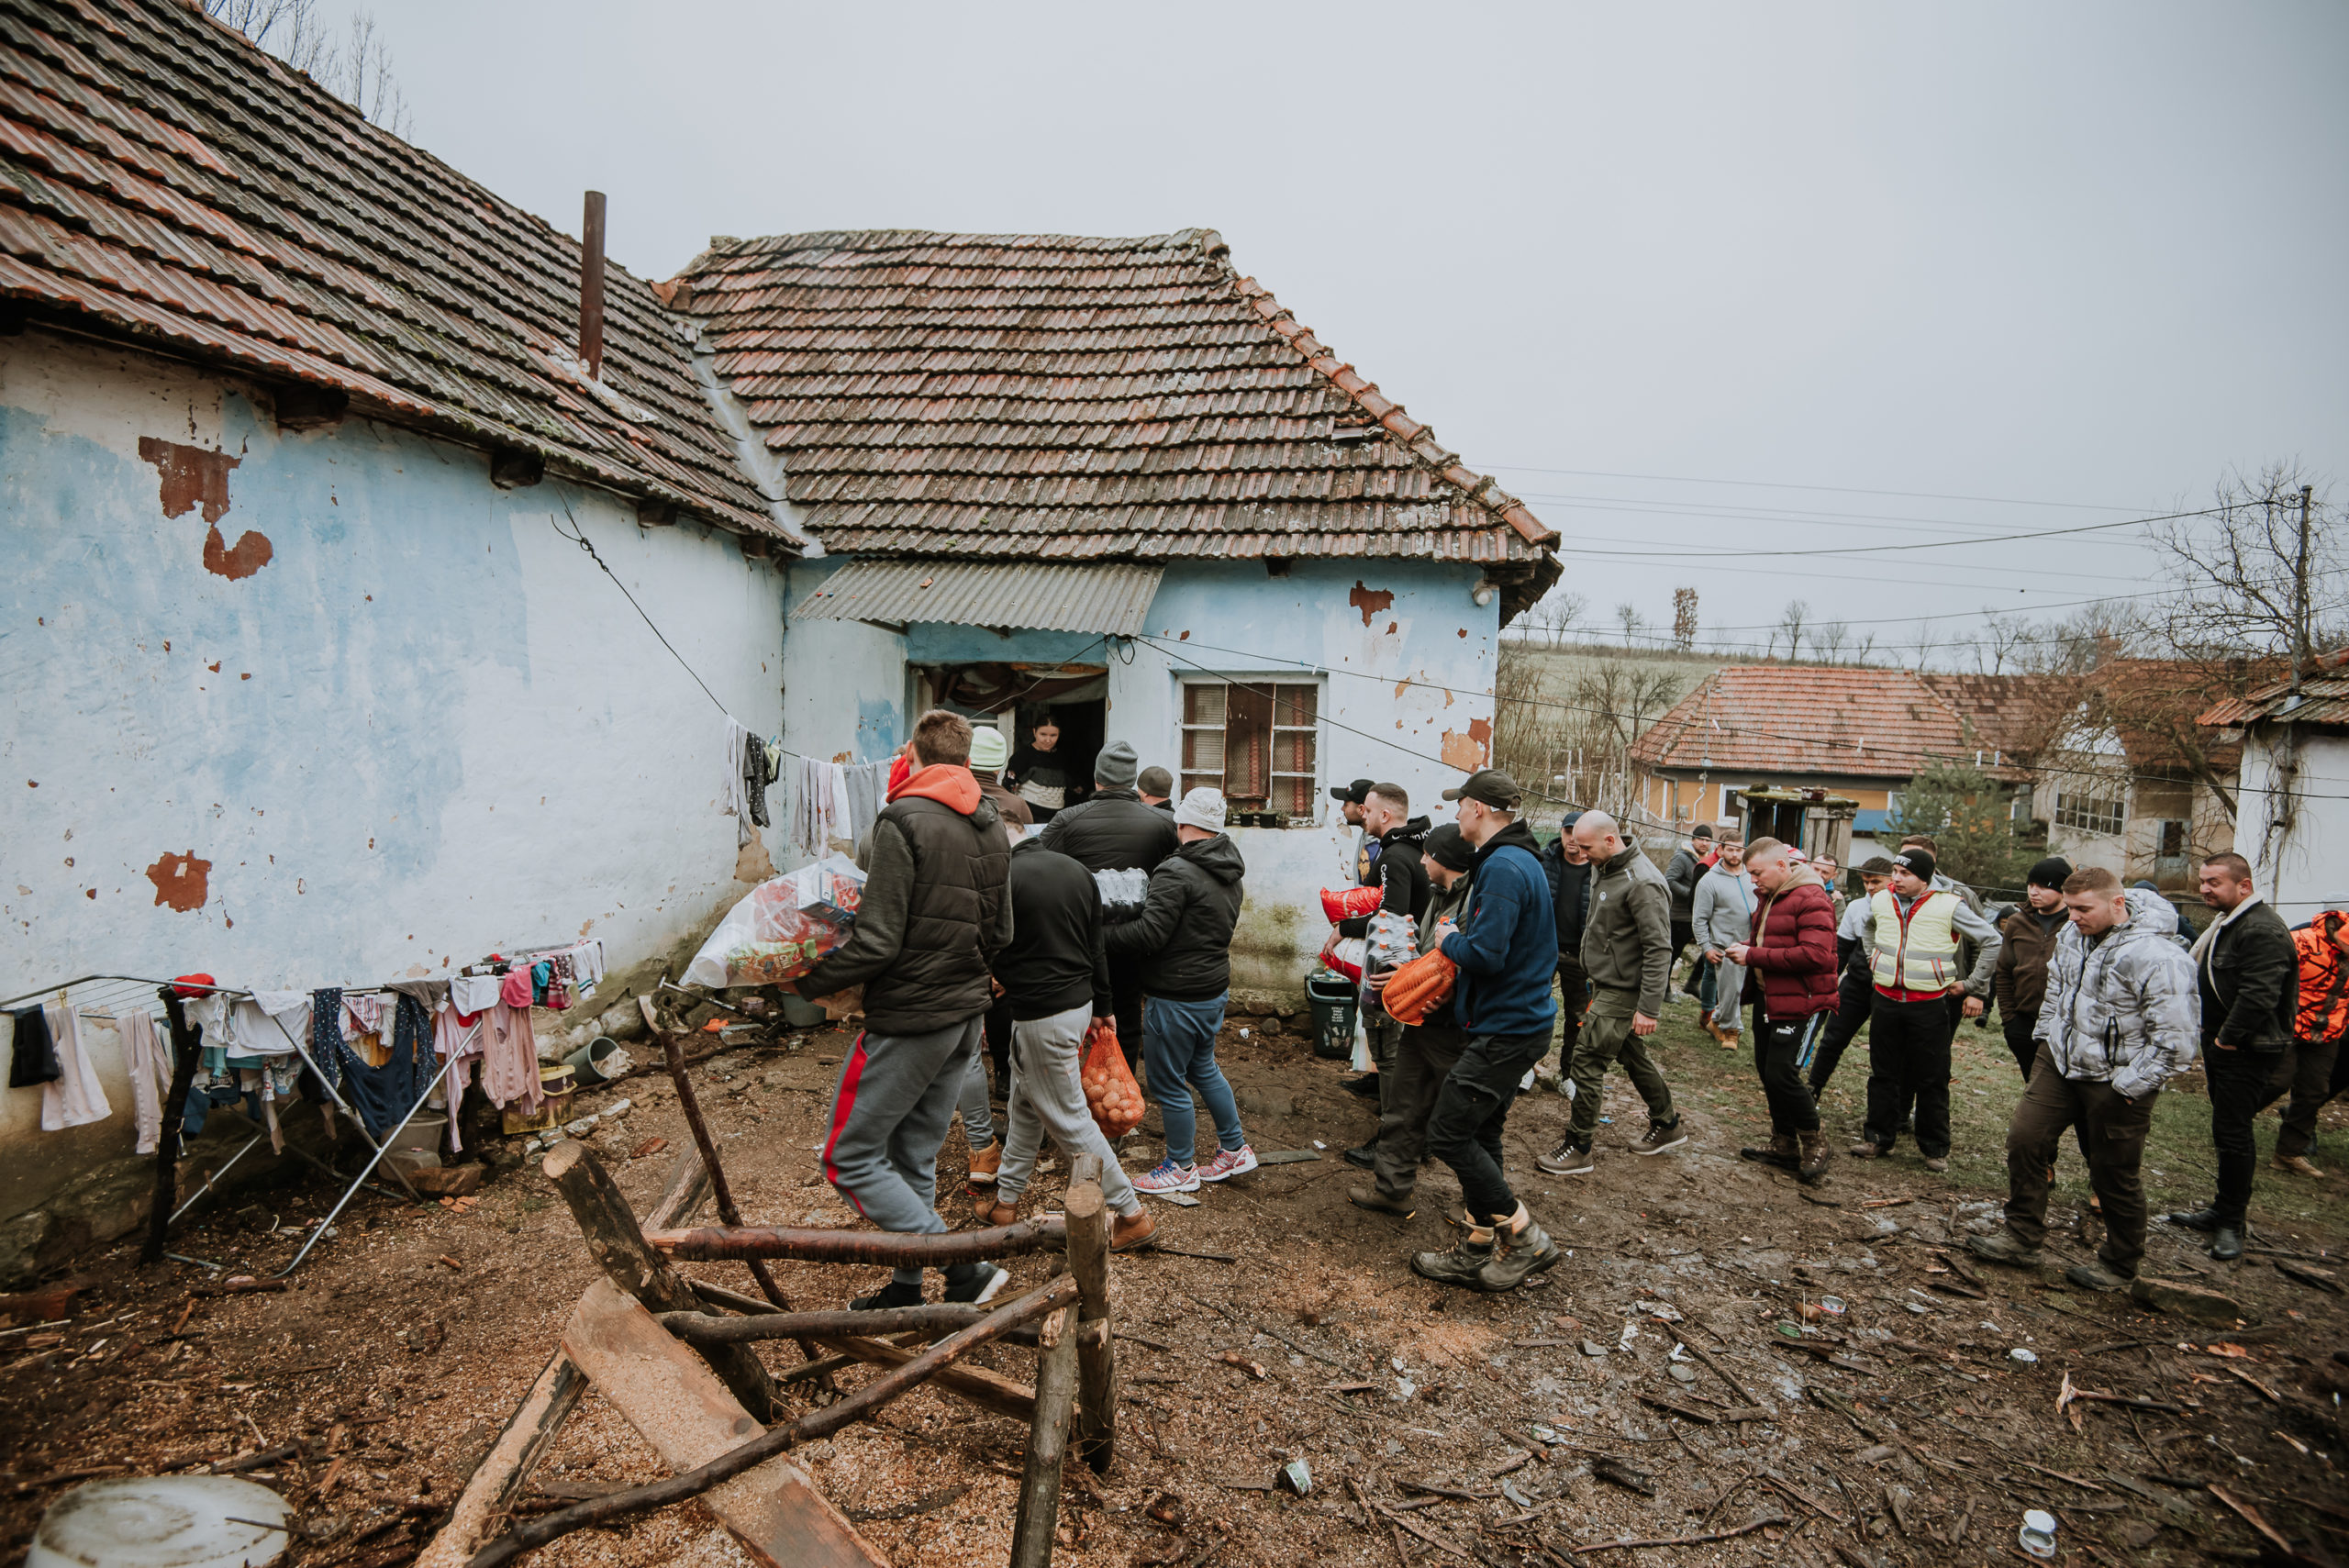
pixel 1507 949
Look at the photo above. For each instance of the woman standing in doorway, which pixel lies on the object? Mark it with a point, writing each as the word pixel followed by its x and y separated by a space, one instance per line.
pixel 1039 774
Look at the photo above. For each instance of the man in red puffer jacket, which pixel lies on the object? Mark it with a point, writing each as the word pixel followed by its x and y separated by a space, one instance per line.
pixel 1791 979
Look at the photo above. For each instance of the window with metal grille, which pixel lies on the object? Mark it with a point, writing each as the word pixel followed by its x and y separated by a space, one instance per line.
pixel 2092 813
pixel 1258 741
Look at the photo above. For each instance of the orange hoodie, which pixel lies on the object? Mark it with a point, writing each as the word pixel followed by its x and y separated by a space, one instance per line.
pixel 942 782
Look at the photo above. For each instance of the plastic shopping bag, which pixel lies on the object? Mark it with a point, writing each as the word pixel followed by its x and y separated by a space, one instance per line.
pixel 783 929
pixel 1350 904
pixel 1110 1092
pixel 1344 955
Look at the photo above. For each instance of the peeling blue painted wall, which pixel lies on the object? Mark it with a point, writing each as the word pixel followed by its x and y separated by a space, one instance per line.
pixel 426 727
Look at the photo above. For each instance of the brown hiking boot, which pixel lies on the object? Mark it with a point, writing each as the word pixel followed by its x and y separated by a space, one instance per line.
pixel 993 1211
pixel 1132 1231
pixel 1779 1152
pixel 1378 1202
pixel 2297 1164
pixel 1813 1167
pixel 1863 1150
pixel 985 1163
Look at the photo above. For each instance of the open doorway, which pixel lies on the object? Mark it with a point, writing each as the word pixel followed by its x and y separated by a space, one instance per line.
pixel 1068 702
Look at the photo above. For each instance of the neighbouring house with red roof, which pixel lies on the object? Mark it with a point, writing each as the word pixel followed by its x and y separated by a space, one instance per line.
pixel 1854 732
pixel 2292 821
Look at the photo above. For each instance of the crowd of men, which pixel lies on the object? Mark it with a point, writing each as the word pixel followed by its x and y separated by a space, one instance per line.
pixel 967 940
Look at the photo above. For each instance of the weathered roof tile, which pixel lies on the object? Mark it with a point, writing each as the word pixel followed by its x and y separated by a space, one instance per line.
pixel 162 177
pixel 1073 397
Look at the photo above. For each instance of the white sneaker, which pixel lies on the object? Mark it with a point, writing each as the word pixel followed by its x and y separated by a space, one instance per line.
pixel 1229 1162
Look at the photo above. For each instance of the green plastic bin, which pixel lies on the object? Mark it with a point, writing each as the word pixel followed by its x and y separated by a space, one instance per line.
pixel 1334 1000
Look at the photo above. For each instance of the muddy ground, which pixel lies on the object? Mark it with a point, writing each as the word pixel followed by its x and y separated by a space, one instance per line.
pixel 1909 1427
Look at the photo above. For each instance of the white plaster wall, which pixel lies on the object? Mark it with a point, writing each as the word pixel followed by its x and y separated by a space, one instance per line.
pixel 427 727
pixel 2299 871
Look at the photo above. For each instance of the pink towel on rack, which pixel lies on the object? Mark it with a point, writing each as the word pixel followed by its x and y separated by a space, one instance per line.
pixel 509 1068
pixel 514 992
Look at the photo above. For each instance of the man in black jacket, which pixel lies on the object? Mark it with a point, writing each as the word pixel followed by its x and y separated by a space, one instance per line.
pixel 1429 1051
pixel 1183 942
pixel 1394 836
pixel 2251 990
pixel 1115 831
pixel 932 916
pixel 1681 873
pixel 1567 865
pixel 1056 980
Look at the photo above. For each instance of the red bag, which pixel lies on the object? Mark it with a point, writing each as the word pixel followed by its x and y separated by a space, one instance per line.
pixel 1110 1092
pixel 1351 904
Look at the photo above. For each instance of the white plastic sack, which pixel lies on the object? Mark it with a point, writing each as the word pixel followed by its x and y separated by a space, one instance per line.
pixel 783 929
pixel 1123 893
pixel 1344 955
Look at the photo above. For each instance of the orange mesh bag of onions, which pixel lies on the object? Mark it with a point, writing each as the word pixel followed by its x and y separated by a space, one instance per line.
pixel 1110 1092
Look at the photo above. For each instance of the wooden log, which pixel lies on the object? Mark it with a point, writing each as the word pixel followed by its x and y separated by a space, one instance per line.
pixel 710 1329
pixel 186 1052
pixel 619 1247
pixel 857 1407
pixel 1040 1486
pixel 678 1407
pixel 1097 1359
pixel 713 1243
pixel 531 1430
pixel 987 1390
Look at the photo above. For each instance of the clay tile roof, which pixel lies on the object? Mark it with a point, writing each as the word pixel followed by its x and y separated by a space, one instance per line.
pixel 1044 396
pixel 163 180
pixel 2017 716
pixel 2323 700
pixel 1778 719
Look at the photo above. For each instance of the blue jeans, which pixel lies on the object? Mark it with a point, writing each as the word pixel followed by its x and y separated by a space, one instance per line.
pixel 1178 1044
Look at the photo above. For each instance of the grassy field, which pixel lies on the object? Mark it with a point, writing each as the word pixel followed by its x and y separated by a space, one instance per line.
pixel 2180 1169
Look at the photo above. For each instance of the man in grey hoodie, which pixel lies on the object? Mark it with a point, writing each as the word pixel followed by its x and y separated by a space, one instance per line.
pixel 2120 1018
pixel 1723 918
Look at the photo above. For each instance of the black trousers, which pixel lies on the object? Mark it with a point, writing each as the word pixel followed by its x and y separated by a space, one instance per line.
pixel 1778 1046
pixel 2320 1073
pixel 1854 996
pixel 1464 1129
pixel 1574 1000
pixel 1909 1044
pixel 1424 1060
pixel 2242 1083
pixel 1125 995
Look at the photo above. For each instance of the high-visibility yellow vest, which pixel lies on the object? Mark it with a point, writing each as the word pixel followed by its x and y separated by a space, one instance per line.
pixel 1916 951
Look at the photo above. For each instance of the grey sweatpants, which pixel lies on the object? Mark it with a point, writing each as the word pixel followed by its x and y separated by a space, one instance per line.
pixel 890 1112
pixel 1048 1096
pixel 978 1120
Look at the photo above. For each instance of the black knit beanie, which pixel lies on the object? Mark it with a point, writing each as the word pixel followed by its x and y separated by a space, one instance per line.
pixel 2049 873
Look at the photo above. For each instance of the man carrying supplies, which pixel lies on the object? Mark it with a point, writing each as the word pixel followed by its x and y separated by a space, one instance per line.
pixel 932 918
pixel 2119 1016
pixel 1429 1049
pixel 1396 870
pixel 1506 951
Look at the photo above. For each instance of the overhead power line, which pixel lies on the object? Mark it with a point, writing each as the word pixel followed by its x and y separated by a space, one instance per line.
pixel 1831 489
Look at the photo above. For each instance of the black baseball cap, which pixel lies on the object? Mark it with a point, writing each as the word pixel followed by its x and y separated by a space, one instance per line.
pixel 1354 794
pixel 1490 785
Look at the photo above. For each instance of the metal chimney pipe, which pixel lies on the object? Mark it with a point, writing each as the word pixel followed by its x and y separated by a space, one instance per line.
pixel 591 286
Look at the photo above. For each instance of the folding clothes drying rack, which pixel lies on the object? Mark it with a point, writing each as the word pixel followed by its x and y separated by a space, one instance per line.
pixel 115 991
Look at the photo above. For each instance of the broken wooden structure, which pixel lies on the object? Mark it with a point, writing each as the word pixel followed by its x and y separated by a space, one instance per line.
pixel 676 1357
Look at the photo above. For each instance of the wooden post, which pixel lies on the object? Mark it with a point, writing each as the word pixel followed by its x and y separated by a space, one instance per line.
pixel 1039 1486
pixel 619 1248
pixel 185 1052
pixel 1097 1361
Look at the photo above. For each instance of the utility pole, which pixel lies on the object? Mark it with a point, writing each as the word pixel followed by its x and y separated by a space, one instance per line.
pixel 2301 596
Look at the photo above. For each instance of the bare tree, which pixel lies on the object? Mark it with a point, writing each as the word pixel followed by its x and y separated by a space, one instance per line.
pixel 1925 639
pixel 1683 619
pixel 1831 640
pixel 2264 575
pixel 1790 624
pixel 356 69
pixel 1628 616
pixel 1564 611
pixel 1996 642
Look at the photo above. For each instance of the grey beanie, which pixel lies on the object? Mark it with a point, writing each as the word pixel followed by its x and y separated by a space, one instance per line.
pixel 1115 766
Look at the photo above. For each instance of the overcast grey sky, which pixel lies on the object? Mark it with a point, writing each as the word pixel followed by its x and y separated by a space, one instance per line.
pixel 2081 254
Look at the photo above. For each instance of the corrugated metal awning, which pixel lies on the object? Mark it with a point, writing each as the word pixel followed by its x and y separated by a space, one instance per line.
pixel 1112 597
